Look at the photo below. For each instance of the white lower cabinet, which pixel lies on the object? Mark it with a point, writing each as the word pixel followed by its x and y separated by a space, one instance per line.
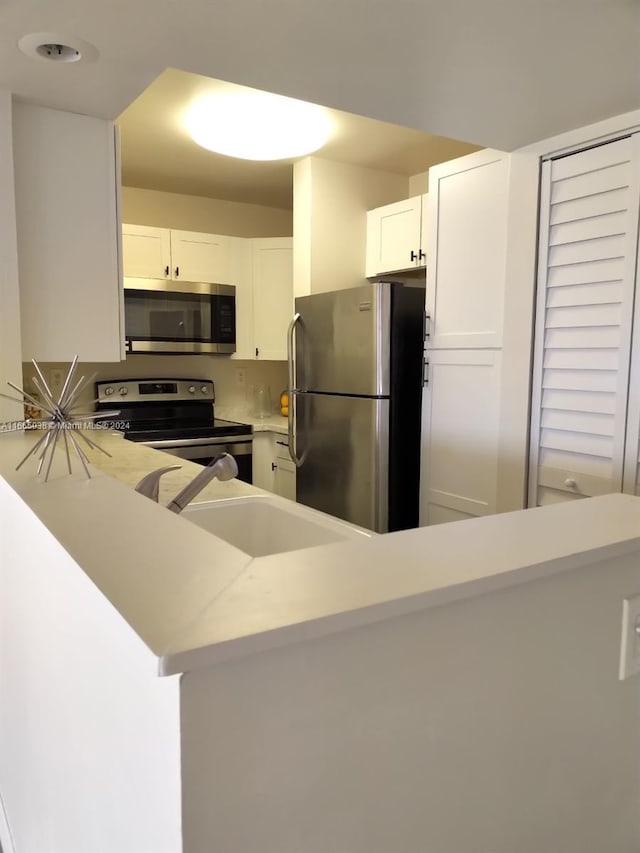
pixel 285 470
pixel 263 459
pixel 66 190
pixel 460 423
pixel 273 469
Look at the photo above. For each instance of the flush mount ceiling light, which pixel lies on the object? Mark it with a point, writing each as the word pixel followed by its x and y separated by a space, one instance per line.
pixel 56 47
pixel 257 125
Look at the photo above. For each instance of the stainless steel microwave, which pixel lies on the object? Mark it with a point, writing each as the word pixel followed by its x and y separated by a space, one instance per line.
pixel 163 316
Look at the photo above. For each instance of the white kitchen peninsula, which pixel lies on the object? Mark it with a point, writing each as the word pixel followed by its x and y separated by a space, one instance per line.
pixel 451 689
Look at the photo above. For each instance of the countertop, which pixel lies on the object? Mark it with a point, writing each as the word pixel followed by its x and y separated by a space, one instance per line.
pixel 272 423
pixel 195 600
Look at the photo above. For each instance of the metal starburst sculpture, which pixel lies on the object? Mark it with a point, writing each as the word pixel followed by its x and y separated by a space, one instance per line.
pixel 62 419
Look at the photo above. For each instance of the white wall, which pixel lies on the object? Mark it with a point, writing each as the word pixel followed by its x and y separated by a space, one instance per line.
pixel 519 302
pixel 419 184
pixel 197 213
pixel 302 226
pixel 89 747
pixel 331 201
pixel 492 725
pixel 223 371
pixel 10 345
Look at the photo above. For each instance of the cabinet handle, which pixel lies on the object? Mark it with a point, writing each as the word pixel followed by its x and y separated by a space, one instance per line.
pixel 166 270
pixel 425 372
pixel 425 326
pixel 414 257
pixel 570 483
pixel 274 466
pixel 421 255
pixel 177 272
pixel 257 352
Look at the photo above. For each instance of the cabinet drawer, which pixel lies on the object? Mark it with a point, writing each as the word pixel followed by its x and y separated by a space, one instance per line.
pixel 281 447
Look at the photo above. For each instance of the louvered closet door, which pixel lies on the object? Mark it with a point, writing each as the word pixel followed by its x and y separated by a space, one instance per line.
pixel 586 273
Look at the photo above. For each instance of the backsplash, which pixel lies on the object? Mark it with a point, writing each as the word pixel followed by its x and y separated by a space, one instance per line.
pixel 234 380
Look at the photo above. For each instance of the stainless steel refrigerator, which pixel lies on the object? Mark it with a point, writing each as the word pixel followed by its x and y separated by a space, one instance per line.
pixel 355 386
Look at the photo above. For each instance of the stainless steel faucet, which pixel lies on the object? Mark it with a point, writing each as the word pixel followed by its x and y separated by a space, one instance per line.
pixel 222 467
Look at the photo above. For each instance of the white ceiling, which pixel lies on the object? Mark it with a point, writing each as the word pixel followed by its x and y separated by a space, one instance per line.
pixel 158 153
pixel 501 73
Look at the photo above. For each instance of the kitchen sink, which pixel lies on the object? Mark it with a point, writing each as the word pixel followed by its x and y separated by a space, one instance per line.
pixel 262 525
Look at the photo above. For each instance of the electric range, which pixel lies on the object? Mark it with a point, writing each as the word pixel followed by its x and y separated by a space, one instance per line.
pixel 176 416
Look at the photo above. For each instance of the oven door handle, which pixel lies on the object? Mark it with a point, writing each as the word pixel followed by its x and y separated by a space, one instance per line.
pixel 197 442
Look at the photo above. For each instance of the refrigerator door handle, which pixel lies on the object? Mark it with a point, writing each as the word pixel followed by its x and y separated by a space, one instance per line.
pixel 292 390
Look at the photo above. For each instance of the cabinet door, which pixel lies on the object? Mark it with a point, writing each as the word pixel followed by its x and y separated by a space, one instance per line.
pixel 393 237
pixel 240 275
pixel 460 425
pixel 424 230
pixel 263 461
pixel 68 235
pixel 200 257
pixel 146 251
pixel 272 273
pixel 586 272
pixel 285 479
pixel 468 206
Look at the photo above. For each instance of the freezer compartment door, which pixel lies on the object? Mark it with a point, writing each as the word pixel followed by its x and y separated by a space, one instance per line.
pixel 344 442
pixel 343 341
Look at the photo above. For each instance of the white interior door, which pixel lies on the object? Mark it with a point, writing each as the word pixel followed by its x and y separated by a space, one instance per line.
pixel 586 281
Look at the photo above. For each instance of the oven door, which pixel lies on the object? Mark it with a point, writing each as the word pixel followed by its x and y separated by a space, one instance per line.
pixel 203 450
pixel 179 317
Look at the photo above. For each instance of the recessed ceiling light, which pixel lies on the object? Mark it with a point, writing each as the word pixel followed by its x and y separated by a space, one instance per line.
pixel 56 47
pixel 257 125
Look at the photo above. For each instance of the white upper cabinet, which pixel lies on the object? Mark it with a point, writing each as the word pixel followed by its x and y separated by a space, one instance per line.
pixel 181 255
pixel 468 201
pixel 66 187
pixel 200 257
pixel 396 236
pixel 146 252
pixel 261 269
pixel 272 281
pixel 583 410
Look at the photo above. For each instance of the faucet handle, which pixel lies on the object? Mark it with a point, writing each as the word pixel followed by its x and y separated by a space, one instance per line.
pixel 149 485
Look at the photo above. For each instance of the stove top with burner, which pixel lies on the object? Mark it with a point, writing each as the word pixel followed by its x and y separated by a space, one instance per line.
pixel 159 409
pixel 153 431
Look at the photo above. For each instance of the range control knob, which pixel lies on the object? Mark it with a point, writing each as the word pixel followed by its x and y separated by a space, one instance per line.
pixel 123 390
pixel 192 389
pixel 108 391
pixel 204 389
